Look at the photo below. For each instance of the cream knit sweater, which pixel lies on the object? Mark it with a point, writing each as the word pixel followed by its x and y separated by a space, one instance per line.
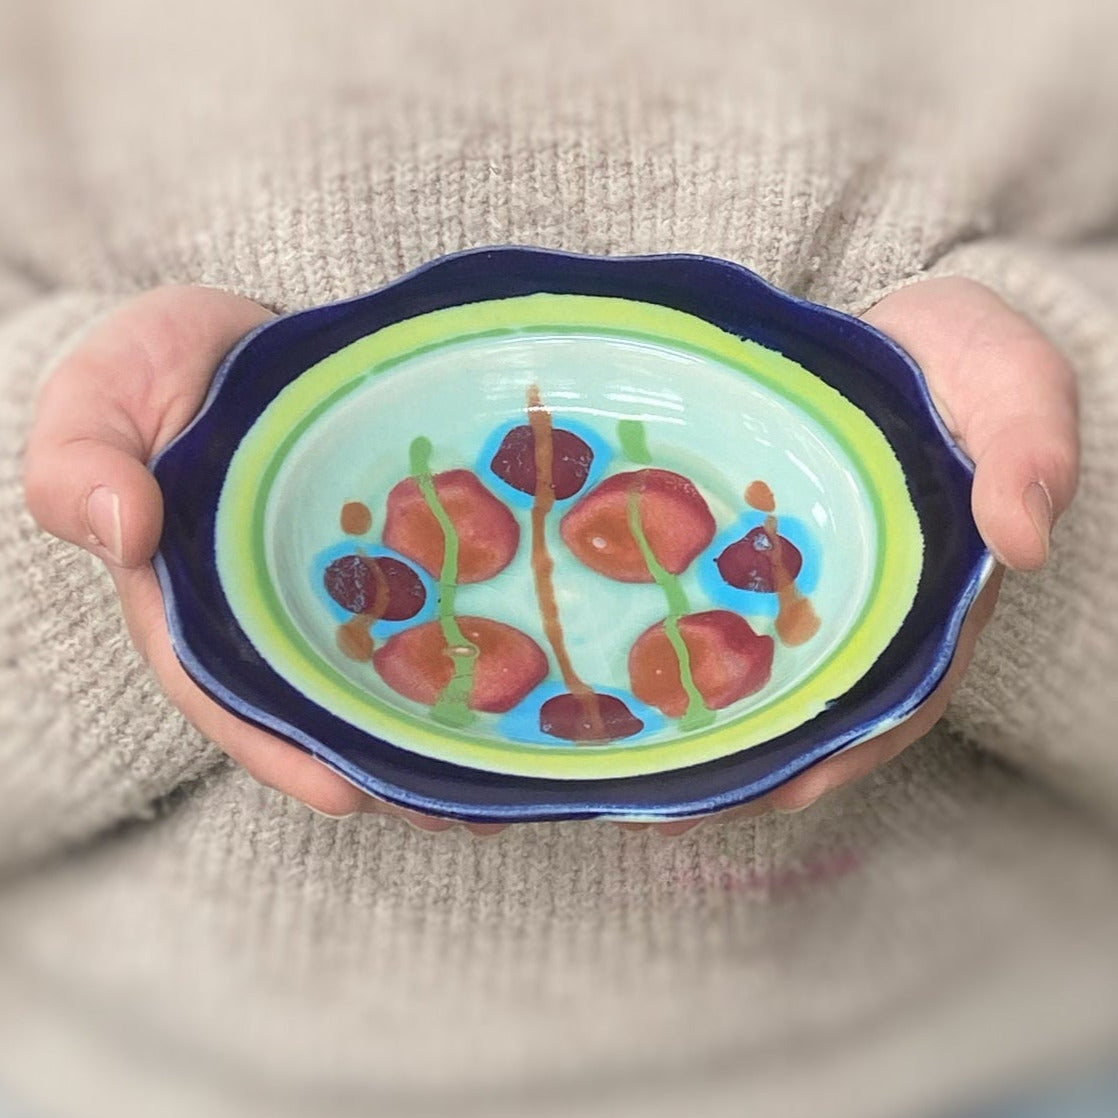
pixel 174 940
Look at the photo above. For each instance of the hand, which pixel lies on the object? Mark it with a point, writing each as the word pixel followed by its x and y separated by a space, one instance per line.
pixel 134 383
pixel 1009 399
pixel 141 375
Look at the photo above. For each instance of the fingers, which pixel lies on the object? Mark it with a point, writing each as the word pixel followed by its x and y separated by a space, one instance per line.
pixel 132 385
pixel 1009 397
pixel 855 763
pixel 844 768
pixel 859 761
pixel 272 761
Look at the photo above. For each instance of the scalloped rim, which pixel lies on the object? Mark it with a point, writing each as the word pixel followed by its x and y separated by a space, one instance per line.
pixel 589 807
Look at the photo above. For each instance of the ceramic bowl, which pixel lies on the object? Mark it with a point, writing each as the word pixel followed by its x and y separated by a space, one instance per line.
pixel 529 535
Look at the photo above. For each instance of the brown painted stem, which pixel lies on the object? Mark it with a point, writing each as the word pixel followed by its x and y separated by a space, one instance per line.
pixel 543 565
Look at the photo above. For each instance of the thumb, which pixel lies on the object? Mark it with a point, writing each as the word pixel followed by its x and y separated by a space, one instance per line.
pixel 1007 395
pixel 129 388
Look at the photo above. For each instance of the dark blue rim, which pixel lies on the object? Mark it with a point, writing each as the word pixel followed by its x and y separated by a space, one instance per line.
pixel 868 368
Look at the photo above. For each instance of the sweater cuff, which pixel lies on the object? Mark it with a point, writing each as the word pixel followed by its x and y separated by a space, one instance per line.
pixel 1042 690
pixel 87 739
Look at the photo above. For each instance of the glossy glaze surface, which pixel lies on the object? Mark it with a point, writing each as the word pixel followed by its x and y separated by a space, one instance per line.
pixel 351 447
pixel 435 430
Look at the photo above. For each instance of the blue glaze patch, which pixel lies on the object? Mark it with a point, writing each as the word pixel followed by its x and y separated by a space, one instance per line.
pixel 382 630
pixel 603 454
pixel 755 602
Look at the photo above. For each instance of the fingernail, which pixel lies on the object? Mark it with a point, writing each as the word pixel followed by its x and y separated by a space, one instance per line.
pixel 801 807
pixel 102 510
pixel 426 824
pixel 1038 504
pixel 677 828
pixel 484 830
pixel 329 815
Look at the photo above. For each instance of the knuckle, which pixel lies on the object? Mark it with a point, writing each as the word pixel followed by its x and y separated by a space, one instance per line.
pixel 260 773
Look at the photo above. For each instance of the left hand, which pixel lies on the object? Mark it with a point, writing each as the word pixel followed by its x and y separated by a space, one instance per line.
pixel 1009 399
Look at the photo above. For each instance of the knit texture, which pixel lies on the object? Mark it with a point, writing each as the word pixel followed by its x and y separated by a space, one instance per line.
pixel 176 940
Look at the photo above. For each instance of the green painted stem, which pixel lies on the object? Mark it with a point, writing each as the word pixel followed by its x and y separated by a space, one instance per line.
pixel 452 707
pixel 634 445
pixel 698 714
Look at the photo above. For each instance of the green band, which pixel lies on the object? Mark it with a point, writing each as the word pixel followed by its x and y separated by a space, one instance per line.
pixel 244 570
